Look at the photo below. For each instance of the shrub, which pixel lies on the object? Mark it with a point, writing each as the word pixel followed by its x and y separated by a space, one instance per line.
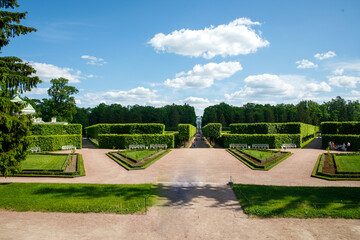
pixel 56 129
pixel 338 139
pixel 186 131
pixel 125 128
pixel 55 142
pixel 212 130
pixel 342 128
pixel 274 140
pixel 122 141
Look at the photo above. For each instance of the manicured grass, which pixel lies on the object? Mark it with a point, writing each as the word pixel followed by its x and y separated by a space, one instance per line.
pixel 138 155
pixel 299 202
pixel 260 155
pixel 79 198
pixel 348 163
pixel 44 162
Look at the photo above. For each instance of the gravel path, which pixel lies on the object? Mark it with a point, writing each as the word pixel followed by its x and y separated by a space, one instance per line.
pixel 196 202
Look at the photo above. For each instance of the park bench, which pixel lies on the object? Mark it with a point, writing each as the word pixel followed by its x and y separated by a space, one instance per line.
pixel 158 146
pixel 35 149
pixel 238 145
pixel 288 145
pixel 68 147
pixel 266 146
pixel 137 147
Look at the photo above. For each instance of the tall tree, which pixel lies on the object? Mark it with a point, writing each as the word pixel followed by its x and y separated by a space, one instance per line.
pixel 61 104
pixel 15 76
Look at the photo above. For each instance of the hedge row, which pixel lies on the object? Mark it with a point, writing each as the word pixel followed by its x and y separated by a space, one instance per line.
pixel 186 131
pixel 338 139
pixel 122 141
pixel 212 130
pixel 273 128
pixel 274 140
pixel 343 128
pixel 55 142
pixel 126 128
pixel 55 129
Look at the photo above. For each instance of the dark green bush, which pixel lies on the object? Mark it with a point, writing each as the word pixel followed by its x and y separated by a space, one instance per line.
pixel 186 131
pixel 340 139
pixel 274 140
pixel 125 128
pixel 122 141
pixel 55 142
pixel 55 129
pixel 352 128
pixel 212 130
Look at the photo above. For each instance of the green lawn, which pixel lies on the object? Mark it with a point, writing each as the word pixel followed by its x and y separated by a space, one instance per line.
pixel 44 162
pixel 299 202
pixel 79 198
pixel 138 155
pixel 260 155
pixel 348 163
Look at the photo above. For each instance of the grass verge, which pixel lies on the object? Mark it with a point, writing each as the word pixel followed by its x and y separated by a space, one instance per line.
pixel 299 202
pixel 78 198
pixel 44 162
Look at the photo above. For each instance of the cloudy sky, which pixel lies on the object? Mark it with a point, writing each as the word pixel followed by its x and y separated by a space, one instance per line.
pixel 196 52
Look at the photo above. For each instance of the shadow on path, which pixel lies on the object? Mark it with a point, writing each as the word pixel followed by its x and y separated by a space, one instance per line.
pixel 314 144
pixel 87 144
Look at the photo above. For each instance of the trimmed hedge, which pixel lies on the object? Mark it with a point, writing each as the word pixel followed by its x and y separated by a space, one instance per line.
pixel 186 131
pixel 55 129
pixel 55 142
pixel 274 140
pixel 338 139
pixel 125 128
pixel 212 130
pixel 122 141
pixel 342 128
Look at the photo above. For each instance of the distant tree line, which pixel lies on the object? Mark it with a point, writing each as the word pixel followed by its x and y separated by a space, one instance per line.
pixel 170 115
pixel 305 111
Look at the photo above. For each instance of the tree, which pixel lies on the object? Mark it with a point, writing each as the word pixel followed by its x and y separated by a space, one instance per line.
pixel 61 104
pixel 15 76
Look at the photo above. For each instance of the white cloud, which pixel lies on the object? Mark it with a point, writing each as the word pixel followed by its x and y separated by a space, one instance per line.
pixel 356 93
pixel 46 72
pixel 322 56
pixel 232 39
pixel 94 60
pixel 269 86
pixel 344 81
pixel 37 91
pixel 203 76
pixel 338 71
pixel 198 103
pixel 306 64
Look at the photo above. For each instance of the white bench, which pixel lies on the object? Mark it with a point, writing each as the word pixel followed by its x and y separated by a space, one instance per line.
pixel 68 147
pixel 288 145
pixel 136 147
pixel 35 149
pixel 158 146
pixel 266 146
pixel 238 145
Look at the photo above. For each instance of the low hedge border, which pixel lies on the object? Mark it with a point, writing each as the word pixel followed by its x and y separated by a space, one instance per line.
pixel 128 167
pixel 331 177
pixel 254 166
pixel 80 171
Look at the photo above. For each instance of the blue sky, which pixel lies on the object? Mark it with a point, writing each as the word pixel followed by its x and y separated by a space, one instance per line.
pixel 196 52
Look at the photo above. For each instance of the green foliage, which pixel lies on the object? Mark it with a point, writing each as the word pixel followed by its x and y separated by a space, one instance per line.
pixel 76 198
pixel 299 202
pixel 122 141
pixel 55 129
pixel 186 131
pixel 212 130
pixel 274 140
pixel 55 142
pixel 61 104
pixel 340 139
pixel 342 128
pixel 127 128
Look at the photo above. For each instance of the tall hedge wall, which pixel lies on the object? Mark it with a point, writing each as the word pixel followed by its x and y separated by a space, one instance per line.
pixel 212 130
pixel 338 139
pixel 55 142
pixel 274 140
pixel 55 129
pixel 340 128
pixel 186 131
pixel 122 141
pixel 127 128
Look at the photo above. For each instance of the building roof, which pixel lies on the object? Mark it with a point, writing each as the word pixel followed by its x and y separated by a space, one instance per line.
pixel 28 109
